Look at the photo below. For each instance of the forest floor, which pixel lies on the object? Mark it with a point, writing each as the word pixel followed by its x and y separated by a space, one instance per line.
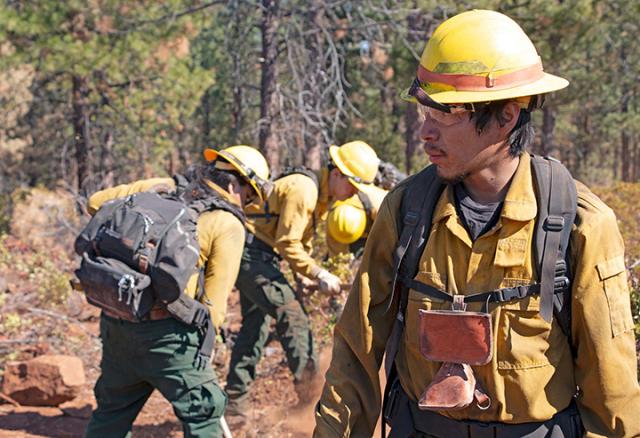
pixel 39 315
pixel 274 408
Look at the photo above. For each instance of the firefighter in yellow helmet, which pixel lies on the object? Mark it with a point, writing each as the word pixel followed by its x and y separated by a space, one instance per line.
pixel 159 352
pixel 493 235
pixel 349 221
pixel 283 227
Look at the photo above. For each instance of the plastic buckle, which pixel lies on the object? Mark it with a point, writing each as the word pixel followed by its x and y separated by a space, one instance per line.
pixel 509 294
pixel 458 303
pixel 554 223
pixel 560 284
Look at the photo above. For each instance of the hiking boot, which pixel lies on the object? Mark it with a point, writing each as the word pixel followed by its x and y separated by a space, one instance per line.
pixel 309 385
pixel 237 412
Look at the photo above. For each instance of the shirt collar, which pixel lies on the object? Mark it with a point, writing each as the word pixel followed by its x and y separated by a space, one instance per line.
pixel 519 203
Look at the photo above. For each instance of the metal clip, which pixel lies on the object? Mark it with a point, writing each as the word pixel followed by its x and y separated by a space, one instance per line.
pixel 458 303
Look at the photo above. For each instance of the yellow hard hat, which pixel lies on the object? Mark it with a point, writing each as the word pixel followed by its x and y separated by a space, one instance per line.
pixel 356 160
pixel 346 222
pixel 480 56
pixel 247 161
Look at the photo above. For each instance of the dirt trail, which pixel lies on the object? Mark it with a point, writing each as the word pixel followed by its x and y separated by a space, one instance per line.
pixel 274 411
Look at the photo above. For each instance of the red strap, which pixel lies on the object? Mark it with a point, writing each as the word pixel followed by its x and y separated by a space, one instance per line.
pixel 462 82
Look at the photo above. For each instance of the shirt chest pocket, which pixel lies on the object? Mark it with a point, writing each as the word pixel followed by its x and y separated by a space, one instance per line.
pixel 524 339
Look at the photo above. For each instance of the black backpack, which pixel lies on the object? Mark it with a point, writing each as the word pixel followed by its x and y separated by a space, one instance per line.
pixel 142 249
pixel 388 175
pixel 556 196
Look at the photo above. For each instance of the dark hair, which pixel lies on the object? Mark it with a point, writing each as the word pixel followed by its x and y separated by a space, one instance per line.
pixel 197 187
pixel 521 136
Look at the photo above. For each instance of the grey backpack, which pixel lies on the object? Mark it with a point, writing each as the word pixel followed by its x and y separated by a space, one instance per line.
pixel 141 250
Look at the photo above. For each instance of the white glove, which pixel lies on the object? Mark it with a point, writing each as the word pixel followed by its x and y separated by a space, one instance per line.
pixel 327 282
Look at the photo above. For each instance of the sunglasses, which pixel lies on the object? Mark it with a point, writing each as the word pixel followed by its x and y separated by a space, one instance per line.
pixel 455 115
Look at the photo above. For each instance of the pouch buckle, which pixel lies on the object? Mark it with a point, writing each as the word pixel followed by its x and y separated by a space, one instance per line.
pixel 458 303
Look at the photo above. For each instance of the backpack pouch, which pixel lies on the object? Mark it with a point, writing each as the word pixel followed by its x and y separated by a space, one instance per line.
pixel 113 286
pixel 456 336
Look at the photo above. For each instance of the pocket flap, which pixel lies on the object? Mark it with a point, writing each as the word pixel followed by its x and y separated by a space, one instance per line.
pixel 610 267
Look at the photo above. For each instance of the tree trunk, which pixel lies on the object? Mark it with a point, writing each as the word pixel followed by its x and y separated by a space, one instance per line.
pixel 82 141
pixel 635 174
pixel 625 155
pixel 547 146
pixel 267 139
pixel 106 162
pixel 625 142
pixel 206 115
pixel 411 135
pixel 313 141
pixel 418 23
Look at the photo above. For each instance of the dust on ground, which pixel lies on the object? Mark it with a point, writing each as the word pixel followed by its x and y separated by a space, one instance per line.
pixel 73 328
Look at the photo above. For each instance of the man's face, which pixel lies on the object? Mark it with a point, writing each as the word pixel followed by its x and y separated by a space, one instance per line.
pixel 454 145
pixel 247 194
pixel 339 186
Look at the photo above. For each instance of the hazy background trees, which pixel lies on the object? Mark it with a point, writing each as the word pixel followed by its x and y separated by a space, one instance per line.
pixel 96 92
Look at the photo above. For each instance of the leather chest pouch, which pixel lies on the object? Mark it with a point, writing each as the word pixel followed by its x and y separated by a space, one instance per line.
pixel 456 336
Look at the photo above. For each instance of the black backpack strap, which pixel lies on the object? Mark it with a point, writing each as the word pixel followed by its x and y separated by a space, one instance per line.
pixel 414 225
pixel 368 208
pixel 216 202
pixel 556 195
pixel 301 170
pixel 268 215
pixel 181 183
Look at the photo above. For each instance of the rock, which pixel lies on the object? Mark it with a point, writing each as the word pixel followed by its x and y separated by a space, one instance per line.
pixel 47 380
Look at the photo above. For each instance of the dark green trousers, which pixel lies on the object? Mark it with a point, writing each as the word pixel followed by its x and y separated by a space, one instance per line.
pixel 265 294
pixel 140 357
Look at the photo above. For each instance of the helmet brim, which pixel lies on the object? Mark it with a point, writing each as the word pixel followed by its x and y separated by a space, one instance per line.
pixel 546 84
pixel 212 155
pixel 340 164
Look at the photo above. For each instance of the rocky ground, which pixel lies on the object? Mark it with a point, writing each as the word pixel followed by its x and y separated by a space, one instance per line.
pixel 38 315
pixel 274 403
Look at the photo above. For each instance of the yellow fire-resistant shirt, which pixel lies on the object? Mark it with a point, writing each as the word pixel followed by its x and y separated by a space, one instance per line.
pixel 375 195
pixel 295 205
pixel 218 235
pixel 532 374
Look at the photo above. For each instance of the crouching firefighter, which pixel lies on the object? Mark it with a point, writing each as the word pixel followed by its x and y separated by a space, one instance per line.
pixel 493 283
pixel 160 257
pixel 283 227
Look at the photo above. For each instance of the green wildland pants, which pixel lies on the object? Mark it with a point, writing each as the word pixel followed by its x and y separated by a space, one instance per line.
pixel 265 294
pixel 140 357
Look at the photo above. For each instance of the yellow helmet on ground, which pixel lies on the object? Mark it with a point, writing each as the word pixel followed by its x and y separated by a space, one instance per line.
pixel 346 222
pixel 356 160
pixel 247 161
pixel 480 56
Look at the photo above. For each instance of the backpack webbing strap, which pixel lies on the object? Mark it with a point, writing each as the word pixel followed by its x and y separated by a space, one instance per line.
pixel 423 189
pixel 266 215
pixel 503 295
pixel 216 202
pixel 181 183
pixel 368 207
pixel 302 171
pixel 556 215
